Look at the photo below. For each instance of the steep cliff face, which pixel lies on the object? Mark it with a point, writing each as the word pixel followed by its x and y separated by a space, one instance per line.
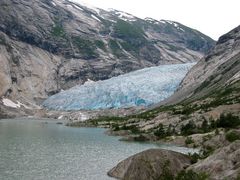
pixel 218 71
pixel 49 45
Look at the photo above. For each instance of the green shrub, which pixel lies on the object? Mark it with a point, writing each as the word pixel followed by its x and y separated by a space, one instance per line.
pixel 207 151
pixel 58 31
pixel 170 130
pixel 115 127
pixel 205 126
pixel 189 140
pixel 100 44
pixel 160 132
pixel 217 132
pixel 189 128
pixel 134 129
pixel 85 47
pixel 2 41
pixel 194 157
pixel 116 49
pixel 125 30
pixel 228 121
pixel 182 175
pixel 191 175
pixel 166 172
pixel 232 136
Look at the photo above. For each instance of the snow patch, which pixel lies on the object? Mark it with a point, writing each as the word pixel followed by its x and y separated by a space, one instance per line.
pixel 175 24
pixel 162 21
pixel 125 16
pixel 89 81
pixel 60 117
pixel 83 117
pixel 10 103
pixel 53 3
pixel 179 28
pixel 77 7
pixel 94 17
pixel 151 20
pixel 170 22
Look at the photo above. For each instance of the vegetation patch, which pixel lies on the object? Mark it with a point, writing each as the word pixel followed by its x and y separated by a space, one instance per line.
pixel 161 132
pixel 206 151
pixel 182 175
pixel 116 49
pixel 58 31
pixel 85 47
pixel 100 44
pixel 194 157
pixel 134 129
pixel 192 128
pixel 189 140
pixel 125 30
pixel 228 121
pixel 2 41
pixel 133 36
pixel 191 175
pixel 232 136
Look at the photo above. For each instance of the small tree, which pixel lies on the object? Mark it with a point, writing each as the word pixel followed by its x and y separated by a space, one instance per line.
pixel 189 128
pixel 228 121
pixel 160 132
pixel 205 126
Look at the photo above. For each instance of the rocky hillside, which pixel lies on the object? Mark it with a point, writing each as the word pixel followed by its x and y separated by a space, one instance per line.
pixel 217 73
pixel 203 113
pixel 49 45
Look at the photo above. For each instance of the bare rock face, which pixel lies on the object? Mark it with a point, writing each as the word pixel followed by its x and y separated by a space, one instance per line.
pixel 223 164
pixel 149 165
pixel 217 70
pixel 50 45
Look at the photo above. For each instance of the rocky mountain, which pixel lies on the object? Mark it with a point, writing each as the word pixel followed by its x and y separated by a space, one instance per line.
pixel 204 113
pixel 217 75
pixel 49 45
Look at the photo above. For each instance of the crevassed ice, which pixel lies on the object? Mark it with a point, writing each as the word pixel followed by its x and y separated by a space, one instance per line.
pixel 139 88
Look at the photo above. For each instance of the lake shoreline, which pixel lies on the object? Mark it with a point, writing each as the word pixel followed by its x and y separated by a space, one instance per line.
pixel 43 140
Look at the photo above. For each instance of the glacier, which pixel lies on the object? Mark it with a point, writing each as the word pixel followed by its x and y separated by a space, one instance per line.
pixel 143 87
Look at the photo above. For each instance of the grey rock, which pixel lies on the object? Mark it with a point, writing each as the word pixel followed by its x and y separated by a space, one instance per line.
pixel 149 165
pixel 223 164
pixel 217 70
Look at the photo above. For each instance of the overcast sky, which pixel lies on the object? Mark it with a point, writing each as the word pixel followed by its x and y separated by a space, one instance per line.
pixel 211 17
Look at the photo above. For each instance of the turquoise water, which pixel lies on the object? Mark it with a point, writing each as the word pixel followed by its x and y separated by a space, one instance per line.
pixel 40 150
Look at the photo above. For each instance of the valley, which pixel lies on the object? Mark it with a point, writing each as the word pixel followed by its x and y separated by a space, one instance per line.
pixel 69 71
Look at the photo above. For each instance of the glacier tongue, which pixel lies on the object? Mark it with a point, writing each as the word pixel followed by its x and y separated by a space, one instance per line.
pixel 139 88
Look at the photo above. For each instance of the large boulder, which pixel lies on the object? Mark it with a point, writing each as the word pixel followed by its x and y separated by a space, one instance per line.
pixel 150 165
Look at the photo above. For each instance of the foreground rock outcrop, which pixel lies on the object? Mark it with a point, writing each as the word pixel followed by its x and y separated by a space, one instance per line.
pixel 150 164
pixel 223 164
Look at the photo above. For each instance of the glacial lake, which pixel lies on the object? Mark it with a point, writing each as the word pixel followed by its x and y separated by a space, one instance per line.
pixel 44 150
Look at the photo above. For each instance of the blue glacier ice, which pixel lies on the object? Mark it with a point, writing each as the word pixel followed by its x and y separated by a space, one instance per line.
pixel 139 88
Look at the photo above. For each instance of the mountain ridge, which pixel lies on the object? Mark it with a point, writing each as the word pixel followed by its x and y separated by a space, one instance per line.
pixel 46 46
